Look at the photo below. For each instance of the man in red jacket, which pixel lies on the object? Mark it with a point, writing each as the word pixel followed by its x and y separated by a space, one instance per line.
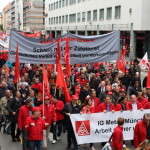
pixel 107 106
pixel 24 112
pixel 142 130
pixel 96 101
pixel 133 104
pixel 58 106
pixel 141 99
pixel 49 115
pixel 34 126
pixel 117 137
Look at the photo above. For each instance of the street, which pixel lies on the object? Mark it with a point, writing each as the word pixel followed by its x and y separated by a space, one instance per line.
pixel 7 144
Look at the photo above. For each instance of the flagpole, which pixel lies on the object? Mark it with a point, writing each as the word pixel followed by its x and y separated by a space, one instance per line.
pixel 43 88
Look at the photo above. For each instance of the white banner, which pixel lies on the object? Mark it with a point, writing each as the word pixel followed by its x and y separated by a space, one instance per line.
pixel 83 49
pixel 98 127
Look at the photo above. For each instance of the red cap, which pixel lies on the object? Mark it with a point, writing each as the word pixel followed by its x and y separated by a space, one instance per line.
pixel 108 72
pixel 110 68
pixel 110 93
pixel 127 71
pixel 74 97
pixel 148 87
pixel 35 109
pixel 98 74
pixel 77 80
pixel 46 97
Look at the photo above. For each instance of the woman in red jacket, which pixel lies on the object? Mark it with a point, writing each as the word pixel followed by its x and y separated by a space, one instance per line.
pixel 88 109
pixel 121 106
pixel 49 115
pixel 117 136
pixel 34 127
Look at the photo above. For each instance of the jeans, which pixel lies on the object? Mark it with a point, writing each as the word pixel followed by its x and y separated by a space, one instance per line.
pixel 59 126
pixel 45 136
pixel 38 144
pixel 71 137
pixel 13 128
pixel 7 124
pixel 25 143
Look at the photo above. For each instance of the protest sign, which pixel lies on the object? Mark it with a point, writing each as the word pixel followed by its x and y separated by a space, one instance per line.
pixel 83 49
pixel 98 127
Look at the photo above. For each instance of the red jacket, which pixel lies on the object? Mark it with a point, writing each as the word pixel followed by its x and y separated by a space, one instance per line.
pixel 96 102
pixel 77 90
pixel 103 106
pixel 143 101
pixel 117 138
pixel 147 105
pixel 58 106
pixel 49 113
pixel 139 133
pixel 22 117
pixel 88 109
pixel 119 107
pixel 35 132
pixel 129 105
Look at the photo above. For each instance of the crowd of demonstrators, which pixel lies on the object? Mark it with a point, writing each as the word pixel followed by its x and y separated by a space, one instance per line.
pixel 92 90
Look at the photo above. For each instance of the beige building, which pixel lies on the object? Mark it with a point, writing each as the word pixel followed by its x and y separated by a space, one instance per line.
pixel 1 18
pixel 6 16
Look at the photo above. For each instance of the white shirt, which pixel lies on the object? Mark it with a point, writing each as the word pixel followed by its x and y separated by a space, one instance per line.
pixel 134 106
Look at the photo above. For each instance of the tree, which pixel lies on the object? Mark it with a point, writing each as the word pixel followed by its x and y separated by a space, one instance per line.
pixel 1 27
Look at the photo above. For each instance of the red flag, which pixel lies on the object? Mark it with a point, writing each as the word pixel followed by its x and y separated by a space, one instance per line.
pixel 67 58
pixel 46 86
pixel 17 67
pixel 60 81
pixel 120 64
pixel 148 78
pixel 58 55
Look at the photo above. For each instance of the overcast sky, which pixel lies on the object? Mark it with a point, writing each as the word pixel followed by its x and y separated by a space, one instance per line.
pixel 3 3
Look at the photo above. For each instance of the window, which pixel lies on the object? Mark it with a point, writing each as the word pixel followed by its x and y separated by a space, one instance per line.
pixel 66 18
pixel 117 12
pixel 78 17
pixel 83 16
pixel 56 20
pixel 49 7
pixel 72 2
pixel 72 18
pixel 49 20
pixel 66 2
pixel 79 1
pixel 101 14
pixel 63 3
pixel 109 13
pixel 94 15
pixel 59 19
pixel 56 5
pixel 60 4
pixel 89 16
pixel 83 0
pixel 63 19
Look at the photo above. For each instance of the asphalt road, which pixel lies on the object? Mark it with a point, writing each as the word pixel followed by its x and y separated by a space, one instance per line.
pixel 7 144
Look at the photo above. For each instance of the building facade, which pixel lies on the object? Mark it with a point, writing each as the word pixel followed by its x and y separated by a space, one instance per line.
pixel 94 17
pixel 1 18
pixel 33 15
pixel 6 17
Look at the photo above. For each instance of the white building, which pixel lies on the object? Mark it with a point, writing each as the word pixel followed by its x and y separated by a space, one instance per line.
pixel 19 14
pixel 88 17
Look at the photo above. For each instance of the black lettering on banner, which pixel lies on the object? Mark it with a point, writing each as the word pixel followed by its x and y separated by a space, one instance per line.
pixel 100 122
pixel 127 129
pixel 75 48
pixel 110 122
pixel 98 131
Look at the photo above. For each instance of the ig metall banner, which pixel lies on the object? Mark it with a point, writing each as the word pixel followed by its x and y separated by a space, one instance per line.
pixel 98 127
pixel 83 49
